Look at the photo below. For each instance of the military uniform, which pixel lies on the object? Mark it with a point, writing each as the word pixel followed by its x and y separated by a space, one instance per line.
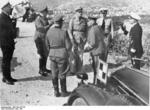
pixel 7 44
pixel 78 28
pixel 136 44
pixel 97 46
pixel 107 26
pixel 42 25
pixel 135 35
pixel 58 42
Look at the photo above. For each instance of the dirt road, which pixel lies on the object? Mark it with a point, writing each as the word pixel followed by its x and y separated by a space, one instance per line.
pixel 32 89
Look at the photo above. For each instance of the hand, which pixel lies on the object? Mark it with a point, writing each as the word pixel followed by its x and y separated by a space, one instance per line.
pixel 132 50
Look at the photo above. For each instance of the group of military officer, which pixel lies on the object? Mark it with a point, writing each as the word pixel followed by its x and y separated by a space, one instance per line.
pixel 92 35
pixel 81 36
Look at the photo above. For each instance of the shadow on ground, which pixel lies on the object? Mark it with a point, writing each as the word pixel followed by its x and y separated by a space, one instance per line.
pixel 36 78
pixel 14 63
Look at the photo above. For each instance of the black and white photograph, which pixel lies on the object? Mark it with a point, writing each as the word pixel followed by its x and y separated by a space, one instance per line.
pixel 74 53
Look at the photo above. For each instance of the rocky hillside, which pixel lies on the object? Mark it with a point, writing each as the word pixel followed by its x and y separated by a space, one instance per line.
pixel 141 6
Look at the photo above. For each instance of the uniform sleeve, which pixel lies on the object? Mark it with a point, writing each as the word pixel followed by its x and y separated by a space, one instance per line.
pixel 39 26
pixel 68 43
pixel 135 35
pixel 47 43
pixel 71 25
pixel 9 27
pixel 91 38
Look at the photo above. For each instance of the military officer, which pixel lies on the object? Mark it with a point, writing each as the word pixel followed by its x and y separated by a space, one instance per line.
pixel 42 25
pixel 135 35
pixel 7 44
pixel 78 31
pixel 95 44
pixel 57 40
pixel 106 24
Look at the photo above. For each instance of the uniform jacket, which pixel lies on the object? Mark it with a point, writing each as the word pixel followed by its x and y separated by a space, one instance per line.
pixel 58 42
pixel 136 40
pixel 108 24
pixel 41 25
pixel 96 40
pixel 7 30
pixel 79 28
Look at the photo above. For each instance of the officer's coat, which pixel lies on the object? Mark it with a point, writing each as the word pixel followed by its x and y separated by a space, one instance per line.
pixel 96 40
pixel 41 27
pixel 79 28
pixel 7 30
pixel 135 35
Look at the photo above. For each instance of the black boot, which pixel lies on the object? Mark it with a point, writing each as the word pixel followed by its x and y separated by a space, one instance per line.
pixel 64 92
pixel 7 81
pixel 56 87
pixel 7 75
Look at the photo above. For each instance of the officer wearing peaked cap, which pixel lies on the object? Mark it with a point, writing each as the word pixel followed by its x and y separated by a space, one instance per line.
pixel 57 40
pixel 7 44
pixel 78 33
pixel 135 35
pixel 95 44
pixel 42 25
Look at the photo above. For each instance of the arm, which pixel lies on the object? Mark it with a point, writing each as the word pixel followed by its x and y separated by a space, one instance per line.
pixel 68 43
pixel 123 27
pixel 47 43
pixel 70 32
pixel 40 27
pixel 91 41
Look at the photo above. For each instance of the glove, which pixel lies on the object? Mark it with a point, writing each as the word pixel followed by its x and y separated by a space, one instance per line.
pixel 132 50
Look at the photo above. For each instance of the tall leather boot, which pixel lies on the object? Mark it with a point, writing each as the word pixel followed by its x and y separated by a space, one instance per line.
pixel 56 87
pixel 6 76
pixel 64 92
pixel 42 67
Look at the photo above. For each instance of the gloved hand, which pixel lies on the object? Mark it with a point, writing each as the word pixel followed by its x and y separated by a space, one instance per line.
pixel 132 50
pixel 87 47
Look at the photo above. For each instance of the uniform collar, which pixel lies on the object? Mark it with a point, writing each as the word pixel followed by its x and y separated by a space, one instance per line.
pixel 134 24
pixel 5 13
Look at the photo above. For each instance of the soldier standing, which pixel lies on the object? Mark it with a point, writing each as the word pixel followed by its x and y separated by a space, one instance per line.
pixel 42 25
pixel 7 44
pixel 77 32
pixel 135 35
pixel 107 26
pixel 95 44
pixel 57 40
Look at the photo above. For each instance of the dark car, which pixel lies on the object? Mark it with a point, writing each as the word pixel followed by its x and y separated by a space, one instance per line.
pixel 125 86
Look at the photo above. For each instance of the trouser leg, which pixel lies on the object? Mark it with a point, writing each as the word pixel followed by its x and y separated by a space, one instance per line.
pixel 62 67
pixel 42 63
pixel 56 87
pixel 63 85
pixel 43 55
pixel 6 61
pixel 54 68
pixel 95 62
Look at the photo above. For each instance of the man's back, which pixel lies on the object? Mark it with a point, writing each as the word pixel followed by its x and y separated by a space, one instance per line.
pixel 58 42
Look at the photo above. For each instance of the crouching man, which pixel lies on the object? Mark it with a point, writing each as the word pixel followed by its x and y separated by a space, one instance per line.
pixel 59 44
